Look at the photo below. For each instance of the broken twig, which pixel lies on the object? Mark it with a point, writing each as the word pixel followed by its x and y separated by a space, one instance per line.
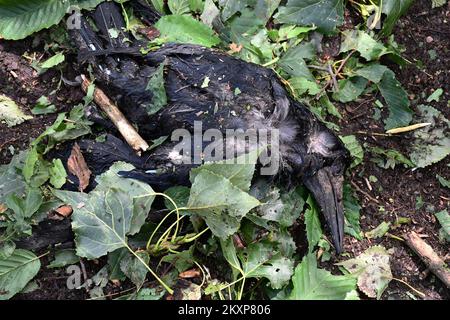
pixel 130 134
pixel 429 257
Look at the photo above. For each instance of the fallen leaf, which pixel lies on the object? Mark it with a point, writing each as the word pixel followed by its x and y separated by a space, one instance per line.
pixel 188 274
pixel 235 48
pixel 3 208
pixel 78 167
pixel 65 211
pixel 372 269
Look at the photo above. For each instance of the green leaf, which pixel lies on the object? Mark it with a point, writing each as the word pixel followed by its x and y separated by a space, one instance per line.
pixel 352 214
pixel 444 182
pixel 104 218
pixel 149 294
pixel 311 283
pixel 350 89
pixel 179 194
pixel 437 3
pixel 182 261
pixel 114 260
pixel 219 202
pixel 11 179
pixel 140 193
pixel 210 13
pixel 7 249
pixel 313 227
pixel 393 9
pixel 302 85
pixel 58 174
pixel 16 271
pixel 230 7
pixel 156 87
pixel 10 112
pixel 358 40
pixel 325 14
pixel 436 95
pixel 265 8
pixel 158 5
pixel 134 269
pixel 178 6
pixel 238 170
pixel 43 106
pixel 373 72
pixel 258 260
pixel 379 231
pixel 432 143
pixel 53 61
pixel 372 269
pixel 64 258
pixel 444 220
pixel 185 29
pixel 355 148
pixel 20 20
pixel 400 115
pixel 392 158
pixel 260 263
pixel 25 208
pixel 293 61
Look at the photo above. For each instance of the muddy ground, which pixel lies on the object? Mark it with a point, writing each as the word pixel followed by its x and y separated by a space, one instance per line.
pixel 425 35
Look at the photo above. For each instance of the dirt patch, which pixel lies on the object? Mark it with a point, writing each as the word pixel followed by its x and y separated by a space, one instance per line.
pixel 402 192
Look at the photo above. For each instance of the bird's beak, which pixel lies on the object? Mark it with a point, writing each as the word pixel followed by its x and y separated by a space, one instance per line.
pixel 327 189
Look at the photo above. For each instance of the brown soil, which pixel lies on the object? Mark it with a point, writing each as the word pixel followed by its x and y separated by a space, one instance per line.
pixel 396 191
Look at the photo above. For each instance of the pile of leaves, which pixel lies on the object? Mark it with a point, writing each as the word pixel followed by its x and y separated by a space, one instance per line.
pixel 245 229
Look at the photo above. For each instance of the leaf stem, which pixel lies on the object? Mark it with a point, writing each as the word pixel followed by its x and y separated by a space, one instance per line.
pixel 150 270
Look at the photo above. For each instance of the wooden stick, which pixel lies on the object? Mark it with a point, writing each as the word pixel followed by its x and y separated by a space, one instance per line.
pixel 116 116
pixel 429 257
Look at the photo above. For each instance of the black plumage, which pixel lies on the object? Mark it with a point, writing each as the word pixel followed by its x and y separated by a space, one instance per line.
pixel 239 95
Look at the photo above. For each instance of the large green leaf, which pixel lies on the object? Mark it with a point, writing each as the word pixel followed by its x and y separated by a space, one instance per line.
pixel 400 115
pixel 368 47
pixel 219 202
pixel 293 61
pixel 19 20
pixel 325 14
pixel 431 143
pixel 311 283
pixel 393 9
pixel 16 271
pixel 185 29
pixel 134 269
pixel 259 259
pixel 104 218
pixel 350 89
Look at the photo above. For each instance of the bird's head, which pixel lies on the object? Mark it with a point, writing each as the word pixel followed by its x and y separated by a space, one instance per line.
pixel 320 160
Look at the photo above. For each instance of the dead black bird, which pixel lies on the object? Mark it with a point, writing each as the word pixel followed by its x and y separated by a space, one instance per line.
pixel 239 95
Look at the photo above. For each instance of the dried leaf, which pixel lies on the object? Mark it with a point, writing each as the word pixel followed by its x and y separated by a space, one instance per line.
pixel 78 167
pixel 65 211
pixel 192 273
